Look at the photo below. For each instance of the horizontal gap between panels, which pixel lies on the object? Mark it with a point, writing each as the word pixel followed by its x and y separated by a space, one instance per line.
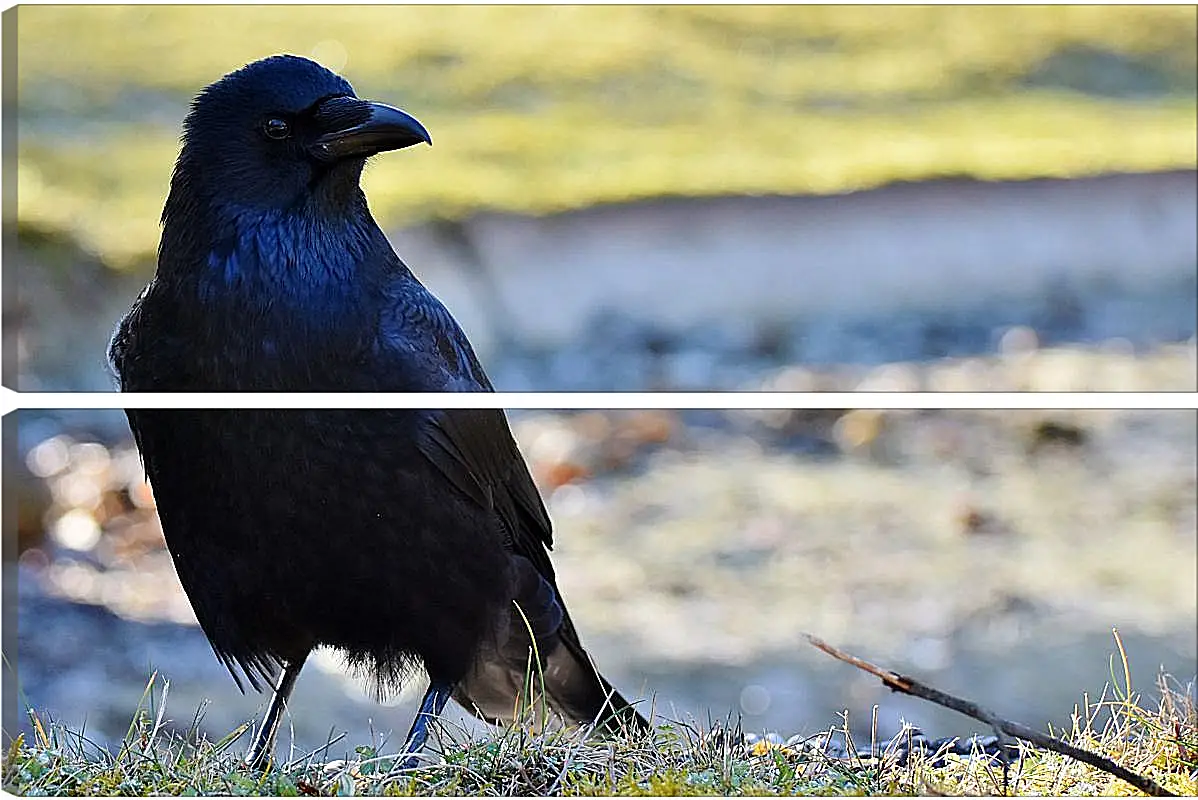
pixel 603 400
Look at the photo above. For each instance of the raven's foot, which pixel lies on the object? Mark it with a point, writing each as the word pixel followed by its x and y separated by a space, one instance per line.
pixel 430 708
pixel 262 750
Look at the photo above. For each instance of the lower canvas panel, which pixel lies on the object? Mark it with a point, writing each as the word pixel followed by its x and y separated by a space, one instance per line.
pixel 986 552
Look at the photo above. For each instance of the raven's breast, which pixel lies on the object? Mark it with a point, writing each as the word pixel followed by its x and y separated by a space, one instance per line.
pixel 324 527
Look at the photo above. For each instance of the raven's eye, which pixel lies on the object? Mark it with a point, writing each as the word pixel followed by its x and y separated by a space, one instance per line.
pixel 276 128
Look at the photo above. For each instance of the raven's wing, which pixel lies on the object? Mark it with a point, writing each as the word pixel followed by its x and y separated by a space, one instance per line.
pixel 144 354
pixel 476 453
pixel 424 342
pixel 473 449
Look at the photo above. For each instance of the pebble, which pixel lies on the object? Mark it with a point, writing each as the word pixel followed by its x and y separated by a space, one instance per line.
pixel 901 745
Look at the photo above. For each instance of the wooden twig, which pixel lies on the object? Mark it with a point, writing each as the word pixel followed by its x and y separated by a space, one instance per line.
pixel 907 685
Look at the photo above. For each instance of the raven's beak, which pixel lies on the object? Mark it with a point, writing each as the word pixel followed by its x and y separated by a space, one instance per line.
pixel 359 129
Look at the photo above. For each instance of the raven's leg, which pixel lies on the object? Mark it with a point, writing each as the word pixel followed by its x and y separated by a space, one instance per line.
pixel 264 742
pixel 431 706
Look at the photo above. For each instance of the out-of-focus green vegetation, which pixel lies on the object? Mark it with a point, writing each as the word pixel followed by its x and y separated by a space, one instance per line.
pixel 541 108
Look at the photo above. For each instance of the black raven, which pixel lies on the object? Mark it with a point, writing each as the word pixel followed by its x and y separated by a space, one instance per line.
pixel 400 537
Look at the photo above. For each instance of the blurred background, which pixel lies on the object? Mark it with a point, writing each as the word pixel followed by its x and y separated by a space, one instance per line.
pixel 640 197
pixel 989 553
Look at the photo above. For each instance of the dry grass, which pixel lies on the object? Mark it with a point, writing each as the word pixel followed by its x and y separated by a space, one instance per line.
pixel 677 759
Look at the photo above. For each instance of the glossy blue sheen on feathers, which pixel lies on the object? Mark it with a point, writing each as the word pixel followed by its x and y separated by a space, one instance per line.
pixel 403 538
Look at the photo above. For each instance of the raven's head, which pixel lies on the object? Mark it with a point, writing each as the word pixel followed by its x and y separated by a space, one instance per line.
pixel 284 131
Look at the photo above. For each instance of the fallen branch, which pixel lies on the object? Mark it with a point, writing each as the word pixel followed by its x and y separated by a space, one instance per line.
pixel 907 685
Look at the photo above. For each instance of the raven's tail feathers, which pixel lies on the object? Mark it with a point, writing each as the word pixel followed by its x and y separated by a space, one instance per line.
pixel 579 692
pixel 497 688
pixel 536 656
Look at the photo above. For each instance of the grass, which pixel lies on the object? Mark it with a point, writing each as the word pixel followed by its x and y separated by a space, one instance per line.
pixel 538 109
pixel 677 759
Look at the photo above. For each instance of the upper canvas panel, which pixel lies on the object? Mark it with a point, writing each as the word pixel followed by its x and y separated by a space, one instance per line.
pixel 618 199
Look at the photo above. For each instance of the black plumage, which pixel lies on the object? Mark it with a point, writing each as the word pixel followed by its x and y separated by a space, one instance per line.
pixel 404 538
